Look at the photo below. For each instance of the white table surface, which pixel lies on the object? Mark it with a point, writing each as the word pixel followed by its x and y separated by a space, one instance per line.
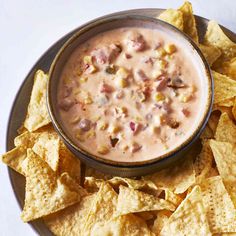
pixel 28 28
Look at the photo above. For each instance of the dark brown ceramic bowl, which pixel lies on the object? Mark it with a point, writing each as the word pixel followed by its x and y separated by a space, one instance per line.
pixel 115 167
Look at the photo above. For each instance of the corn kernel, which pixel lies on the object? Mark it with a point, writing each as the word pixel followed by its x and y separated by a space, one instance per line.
pixel 123 83
pixel 114 129
pixel 159 120
pixel 170 48
pixel 79 137
pixel 90 134
pixel 102 125
pixel 160 52
pixel 92 69
pixel 96 118
pixel 121 111
pixel 78 72
pixel 67 81
pixel 161 64
pixel 76 91
pixel 138 119
pixel 88 100
pixel 87 60
pixel 155 129
pixel 122 73
pixel 159 97
pixel 165 146
pixel 103 150
pixel 192 89
pixel 184 98
pixel 83 79
pixel 125 147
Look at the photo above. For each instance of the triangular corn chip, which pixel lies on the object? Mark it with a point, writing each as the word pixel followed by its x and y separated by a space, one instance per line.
pixel 170 196
pixel 102 209
pixel 71 220
pixel 189 218
pixel 45 143
pixel 213 120
pixel 212 172
pixel 37 115
pixel 159 222
pixel 210 52
pixel 216 37
pixel 207 133
pixel 189 21
pixel 123 225
pixel 225 157
pixel 226 129
pixel 131 201
pixel 203 162
pixel 93 183
pixel 177 178
pixel 224 87
pixel 45 192
pixel 224 103
pixel 228 68
pixel 173 17
pixel 220 210
pixel 69 163
pixel 14 159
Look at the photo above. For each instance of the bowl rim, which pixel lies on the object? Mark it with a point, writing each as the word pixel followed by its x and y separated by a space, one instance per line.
pixel 184 145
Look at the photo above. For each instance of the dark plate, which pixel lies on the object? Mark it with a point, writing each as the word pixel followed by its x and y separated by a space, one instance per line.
pixel 19 107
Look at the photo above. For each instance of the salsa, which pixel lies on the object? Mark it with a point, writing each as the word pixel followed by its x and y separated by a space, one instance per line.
pixel 130 94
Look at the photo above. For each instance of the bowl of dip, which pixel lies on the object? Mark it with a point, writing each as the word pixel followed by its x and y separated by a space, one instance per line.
pixel 129 94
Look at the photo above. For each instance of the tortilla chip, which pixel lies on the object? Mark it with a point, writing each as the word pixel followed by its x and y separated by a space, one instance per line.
pixel 189 26
pixel 132 183
pixel 37 115
pixel 131 201
pixel 220 210
pixel 69 163
pixel 203 162
pixel 102 209
pixel 47 147
pixel 173 17
pixel 210 52
pixel 45 192
pixel 159 222
pixel 92 184
pixel 189 218
pixel 225 157
pixel 123 225
pixel 234 109
pixel 224 104
pixel 213 172
pixel 228 68
pixel 146 215
pixel 71 220
pixel 170 196
pixel 216 37
pixel 213 120
pixel 44 142
pixel 224 88
pixel 178 178
pixel 226 129
pixel 207 133
pixel 14 159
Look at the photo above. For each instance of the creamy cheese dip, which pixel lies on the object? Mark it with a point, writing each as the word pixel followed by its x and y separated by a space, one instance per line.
pixel 130 94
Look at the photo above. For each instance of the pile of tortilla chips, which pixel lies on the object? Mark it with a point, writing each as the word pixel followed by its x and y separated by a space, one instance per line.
pixel 193 197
